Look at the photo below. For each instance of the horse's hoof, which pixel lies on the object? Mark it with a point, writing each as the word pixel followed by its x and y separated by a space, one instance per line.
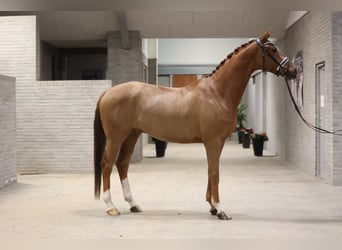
pixel 213 211
pixel 223 216
pixel 113 212
pixel 136 209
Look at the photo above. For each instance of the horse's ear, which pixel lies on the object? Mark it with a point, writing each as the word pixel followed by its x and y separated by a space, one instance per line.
pixel 265 36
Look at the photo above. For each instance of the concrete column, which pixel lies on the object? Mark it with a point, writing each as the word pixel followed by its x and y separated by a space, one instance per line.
pixel 125 65
pixel 152 60
pixel 151 54
pixel 152 70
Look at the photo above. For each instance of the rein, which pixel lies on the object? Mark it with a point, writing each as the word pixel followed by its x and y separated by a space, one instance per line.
pixel 310 125
pixel 280 66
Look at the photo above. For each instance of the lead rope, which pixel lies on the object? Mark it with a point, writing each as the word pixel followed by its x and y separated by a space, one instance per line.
pixel 310 125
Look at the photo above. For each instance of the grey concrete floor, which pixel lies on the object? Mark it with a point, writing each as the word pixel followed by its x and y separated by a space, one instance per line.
pixel 267 198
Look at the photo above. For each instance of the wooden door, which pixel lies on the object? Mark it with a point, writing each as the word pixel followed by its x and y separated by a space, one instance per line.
pixel 182 80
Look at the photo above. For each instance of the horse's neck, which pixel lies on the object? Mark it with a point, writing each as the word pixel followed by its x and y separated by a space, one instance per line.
pixel 231 80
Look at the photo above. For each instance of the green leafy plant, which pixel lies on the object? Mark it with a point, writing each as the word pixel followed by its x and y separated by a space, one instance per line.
pixel 241 115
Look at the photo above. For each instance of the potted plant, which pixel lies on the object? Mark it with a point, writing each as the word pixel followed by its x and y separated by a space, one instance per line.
pixel 160 147
pixel 245 137
pixel 241 118
pixel 258 140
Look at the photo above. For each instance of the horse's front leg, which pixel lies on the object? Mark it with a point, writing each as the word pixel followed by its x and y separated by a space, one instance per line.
pixel 213 150
pixel 213 210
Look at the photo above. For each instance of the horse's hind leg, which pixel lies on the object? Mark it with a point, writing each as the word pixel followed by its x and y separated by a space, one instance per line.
pixel 122 164
pixel 109 156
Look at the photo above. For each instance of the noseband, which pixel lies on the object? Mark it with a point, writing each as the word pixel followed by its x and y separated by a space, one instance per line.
pixel 281 64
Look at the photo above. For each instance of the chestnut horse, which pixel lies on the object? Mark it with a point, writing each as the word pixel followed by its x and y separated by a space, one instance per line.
pixel 203 111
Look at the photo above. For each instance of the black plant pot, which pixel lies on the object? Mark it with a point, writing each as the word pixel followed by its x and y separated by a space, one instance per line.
pixel 258 146
pixel 160 147
pixel 239 136
pixel 240 132
pixel 246 141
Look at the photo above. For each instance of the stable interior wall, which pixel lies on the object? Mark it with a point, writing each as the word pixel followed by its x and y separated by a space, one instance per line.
pixel 19 59
pixel 8 166
pixel 275 119
pixel 196 51
pixel 336 95
pixel 56 131
pixel 312 35
pixel 54 119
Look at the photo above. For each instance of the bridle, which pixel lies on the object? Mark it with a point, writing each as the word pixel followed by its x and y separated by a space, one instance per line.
pixel 280 65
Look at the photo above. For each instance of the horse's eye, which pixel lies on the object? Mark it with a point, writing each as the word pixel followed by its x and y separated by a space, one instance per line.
pixel 273 48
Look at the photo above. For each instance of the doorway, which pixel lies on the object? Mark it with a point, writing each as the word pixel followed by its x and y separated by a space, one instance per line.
pixel 320 112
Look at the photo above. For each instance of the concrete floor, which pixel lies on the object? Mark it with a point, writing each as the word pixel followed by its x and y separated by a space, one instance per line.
pixel 267 198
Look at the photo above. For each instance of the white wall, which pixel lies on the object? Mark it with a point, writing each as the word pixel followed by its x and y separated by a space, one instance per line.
pixel 8 168
pixel 313 36
pixel 56 126
pixel 275 119
pixel 150 47
pixel 196 51
pixel 18 48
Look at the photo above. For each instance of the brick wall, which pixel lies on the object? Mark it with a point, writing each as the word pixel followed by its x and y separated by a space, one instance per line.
pixel 124 65
pixel 55 132
pixel 18 39
pixel 312 35
pixel 337 93
pixel 54 118
pixel 8 169
pixel 18 36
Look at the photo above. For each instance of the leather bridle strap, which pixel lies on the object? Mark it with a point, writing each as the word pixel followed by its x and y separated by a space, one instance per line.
pixel 280 65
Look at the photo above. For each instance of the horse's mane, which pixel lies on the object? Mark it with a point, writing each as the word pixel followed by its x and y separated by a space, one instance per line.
pixel 229 56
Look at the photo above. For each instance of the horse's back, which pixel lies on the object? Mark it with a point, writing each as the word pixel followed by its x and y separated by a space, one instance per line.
pixel 123 90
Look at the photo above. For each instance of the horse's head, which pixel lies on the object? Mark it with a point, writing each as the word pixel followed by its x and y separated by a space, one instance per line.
pixel 273 60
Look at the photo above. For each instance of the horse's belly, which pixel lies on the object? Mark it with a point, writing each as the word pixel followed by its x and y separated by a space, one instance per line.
pixel 170 129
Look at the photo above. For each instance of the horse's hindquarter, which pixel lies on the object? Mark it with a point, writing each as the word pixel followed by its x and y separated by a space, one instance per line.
pixel 119 107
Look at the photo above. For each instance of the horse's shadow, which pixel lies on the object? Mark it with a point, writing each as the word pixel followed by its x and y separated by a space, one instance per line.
pixel 183 215
pixel 148 214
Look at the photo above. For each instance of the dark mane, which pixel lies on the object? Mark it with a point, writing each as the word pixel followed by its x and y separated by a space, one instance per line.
pixel 229 56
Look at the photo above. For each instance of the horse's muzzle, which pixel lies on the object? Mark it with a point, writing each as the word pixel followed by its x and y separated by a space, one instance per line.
pixel 291 73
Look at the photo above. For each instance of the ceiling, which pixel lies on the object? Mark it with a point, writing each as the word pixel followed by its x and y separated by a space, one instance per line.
pixel 89 28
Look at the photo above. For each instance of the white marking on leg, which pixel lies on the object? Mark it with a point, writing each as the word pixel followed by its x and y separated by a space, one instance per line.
pixel 127 192
pixel 108 200
pixel 218 207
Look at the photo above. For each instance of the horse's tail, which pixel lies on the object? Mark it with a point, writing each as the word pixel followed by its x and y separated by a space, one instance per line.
pixel 99 144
